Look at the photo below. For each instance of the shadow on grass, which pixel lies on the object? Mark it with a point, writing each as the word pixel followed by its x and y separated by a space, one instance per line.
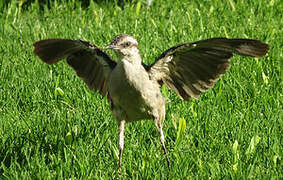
pixel 26 146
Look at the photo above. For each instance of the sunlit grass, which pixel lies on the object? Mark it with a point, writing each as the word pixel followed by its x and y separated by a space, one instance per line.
pixel 52 126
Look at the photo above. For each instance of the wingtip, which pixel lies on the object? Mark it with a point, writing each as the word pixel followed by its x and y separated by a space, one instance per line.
pixel 41 56
pixel 267 47
pixel 51 51
pixel 264 47
pixel 251 47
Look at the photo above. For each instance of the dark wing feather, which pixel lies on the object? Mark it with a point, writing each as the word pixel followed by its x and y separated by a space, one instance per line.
pixel 192 68
pixel 90 63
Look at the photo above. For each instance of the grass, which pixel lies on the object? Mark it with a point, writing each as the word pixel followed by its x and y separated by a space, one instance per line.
pixel 53 127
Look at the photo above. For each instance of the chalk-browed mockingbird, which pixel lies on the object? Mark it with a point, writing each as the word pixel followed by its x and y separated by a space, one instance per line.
pixel 132 88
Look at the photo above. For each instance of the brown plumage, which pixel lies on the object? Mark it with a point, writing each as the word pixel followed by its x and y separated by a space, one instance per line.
pixel 90 63
pixel 132 88
pixel 195 67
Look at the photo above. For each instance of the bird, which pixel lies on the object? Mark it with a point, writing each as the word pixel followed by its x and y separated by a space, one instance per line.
pixel 132 88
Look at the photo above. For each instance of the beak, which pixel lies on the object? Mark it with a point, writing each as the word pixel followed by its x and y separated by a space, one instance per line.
pixel 111 47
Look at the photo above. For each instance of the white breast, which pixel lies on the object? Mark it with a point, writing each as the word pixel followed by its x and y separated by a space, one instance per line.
pixel 131 89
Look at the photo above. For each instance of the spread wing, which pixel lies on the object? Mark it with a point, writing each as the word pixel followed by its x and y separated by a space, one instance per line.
pixel 90 63
pixel 192 68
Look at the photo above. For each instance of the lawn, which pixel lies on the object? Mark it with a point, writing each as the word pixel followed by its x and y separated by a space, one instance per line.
pixel 53 127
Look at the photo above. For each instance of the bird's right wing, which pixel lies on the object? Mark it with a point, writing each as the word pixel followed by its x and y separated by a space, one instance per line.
pixel 90 63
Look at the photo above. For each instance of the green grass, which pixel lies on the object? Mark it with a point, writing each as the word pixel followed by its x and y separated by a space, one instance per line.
pixel 232 131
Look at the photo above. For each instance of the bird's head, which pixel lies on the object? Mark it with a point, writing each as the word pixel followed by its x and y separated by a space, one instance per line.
pixel 124 45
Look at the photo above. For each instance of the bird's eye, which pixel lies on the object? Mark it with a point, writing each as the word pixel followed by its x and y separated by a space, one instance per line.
pixel 127 44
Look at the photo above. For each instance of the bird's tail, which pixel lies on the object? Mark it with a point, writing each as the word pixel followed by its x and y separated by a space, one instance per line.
pixel 53 50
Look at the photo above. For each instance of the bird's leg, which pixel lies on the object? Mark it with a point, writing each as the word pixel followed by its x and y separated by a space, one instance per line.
pixel 162 139
pixel 121 129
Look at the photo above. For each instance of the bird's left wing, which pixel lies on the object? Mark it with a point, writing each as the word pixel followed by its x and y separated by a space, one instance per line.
pixel 90 63
pixel 192 68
